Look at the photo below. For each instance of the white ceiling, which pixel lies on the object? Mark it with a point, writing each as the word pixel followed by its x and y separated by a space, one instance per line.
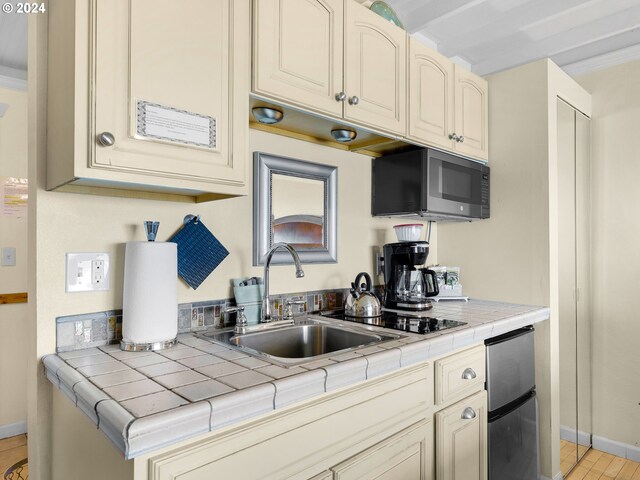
pixel 494 35
pixel 486 35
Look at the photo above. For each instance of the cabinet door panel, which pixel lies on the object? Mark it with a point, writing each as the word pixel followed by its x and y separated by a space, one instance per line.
pixel 431 94
pixel 461 443
pixel 375 64
pixel 405 456
pixel 471 114
pixel 298 52
pixel 151 51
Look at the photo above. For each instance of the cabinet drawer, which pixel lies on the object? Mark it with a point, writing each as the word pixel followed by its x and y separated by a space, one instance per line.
pixel 460 375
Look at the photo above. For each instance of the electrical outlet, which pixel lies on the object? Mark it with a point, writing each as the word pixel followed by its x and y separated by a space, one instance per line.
pixel 87 272
pixel 8 257
pixel 97 272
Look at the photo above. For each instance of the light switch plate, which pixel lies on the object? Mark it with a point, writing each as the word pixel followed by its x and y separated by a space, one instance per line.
pixel 8 257
pixel 87 272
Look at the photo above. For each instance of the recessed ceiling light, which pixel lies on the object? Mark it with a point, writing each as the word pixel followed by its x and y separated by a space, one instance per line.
pixel 344 135
pixel 267 115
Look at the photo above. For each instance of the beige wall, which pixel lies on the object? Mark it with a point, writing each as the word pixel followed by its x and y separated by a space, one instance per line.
pixel 13 233
pixel 616 260
pixel 513 256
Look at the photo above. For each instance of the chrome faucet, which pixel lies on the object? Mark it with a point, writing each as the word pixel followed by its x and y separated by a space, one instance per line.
pixel 265 316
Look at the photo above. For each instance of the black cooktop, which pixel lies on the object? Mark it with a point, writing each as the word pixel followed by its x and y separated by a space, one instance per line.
pixel 398 321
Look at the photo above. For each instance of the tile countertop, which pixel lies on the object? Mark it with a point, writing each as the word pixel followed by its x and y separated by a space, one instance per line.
pixel 147 400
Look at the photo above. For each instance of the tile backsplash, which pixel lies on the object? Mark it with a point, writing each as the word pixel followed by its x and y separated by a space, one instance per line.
pixel 75 332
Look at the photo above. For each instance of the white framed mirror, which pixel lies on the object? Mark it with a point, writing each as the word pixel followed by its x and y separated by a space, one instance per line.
pixel 295 202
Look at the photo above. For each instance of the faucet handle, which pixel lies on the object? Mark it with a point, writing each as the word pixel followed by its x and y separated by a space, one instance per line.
pixel 288 307
pixel 241 319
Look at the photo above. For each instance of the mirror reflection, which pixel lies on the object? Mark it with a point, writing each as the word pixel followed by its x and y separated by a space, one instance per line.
pixel 294 202
pixel 297 211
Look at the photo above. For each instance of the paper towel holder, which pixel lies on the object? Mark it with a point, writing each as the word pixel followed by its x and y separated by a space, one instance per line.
pixel 151 230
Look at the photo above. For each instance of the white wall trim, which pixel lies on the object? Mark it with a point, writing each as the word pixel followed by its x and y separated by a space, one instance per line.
pixel 557 476
pixel 569 434
pixel 13 429
pixel 619 449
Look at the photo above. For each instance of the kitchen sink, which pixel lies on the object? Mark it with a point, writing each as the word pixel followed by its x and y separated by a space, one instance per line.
pixel 306 341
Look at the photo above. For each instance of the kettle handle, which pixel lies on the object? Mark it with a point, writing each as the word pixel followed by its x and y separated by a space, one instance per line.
pixel 367 279
pixel 432 274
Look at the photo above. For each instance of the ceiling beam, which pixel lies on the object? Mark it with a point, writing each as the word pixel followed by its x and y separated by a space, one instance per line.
pixel 499 27
pixel 519 50
pixel 13 78
pixel 424 13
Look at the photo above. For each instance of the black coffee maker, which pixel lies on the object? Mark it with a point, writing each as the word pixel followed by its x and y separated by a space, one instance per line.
pixel 407 285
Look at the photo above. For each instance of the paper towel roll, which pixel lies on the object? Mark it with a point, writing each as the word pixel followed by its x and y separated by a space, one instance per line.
pixel 150 299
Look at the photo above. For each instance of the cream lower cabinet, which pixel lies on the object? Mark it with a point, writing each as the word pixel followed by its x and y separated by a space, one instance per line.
pixel 380 429
pixel 461 440
pixel 385 428
pixel 461 422
pixel 448 105
pixel 333 57
pixel 149 97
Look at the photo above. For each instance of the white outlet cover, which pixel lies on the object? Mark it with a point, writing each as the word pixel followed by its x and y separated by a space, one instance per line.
pixel 79 272
pixel 8 257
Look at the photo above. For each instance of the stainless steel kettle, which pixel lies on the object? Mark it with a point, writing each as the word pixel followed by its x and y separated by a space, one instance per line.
pixel 361 302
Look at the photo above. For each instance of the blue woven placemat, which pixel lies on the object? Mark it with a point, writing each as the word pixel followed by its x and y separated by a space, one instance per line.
pixel 199 252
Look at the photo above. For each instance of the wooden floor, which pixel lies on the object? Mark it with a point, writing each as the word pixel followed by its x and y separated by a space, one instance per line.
pixel 597 465
pixel 568 455
pixel 12 450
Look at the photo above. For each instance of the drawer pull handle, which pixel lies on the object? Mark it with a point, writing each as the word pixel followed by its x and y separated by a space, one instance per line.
pixel 468 374
pixel 468 414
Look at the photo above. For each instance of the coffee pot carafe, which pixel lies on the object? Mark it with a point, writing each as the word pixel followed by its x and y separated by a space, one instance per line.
pixel 408 286
pixel 415 285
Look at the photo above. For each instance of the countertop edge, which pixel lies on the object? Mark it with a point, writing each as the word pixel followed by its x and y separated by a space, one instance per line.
pixel 137 436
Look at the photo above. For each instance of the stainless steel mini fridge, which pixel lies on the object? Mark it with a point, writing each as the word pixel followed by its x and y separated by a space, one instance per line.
pixel 512 406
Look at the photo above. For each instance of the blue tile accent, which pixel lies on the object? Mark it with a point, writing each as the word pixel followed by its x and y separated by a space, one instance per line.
pixel 76 332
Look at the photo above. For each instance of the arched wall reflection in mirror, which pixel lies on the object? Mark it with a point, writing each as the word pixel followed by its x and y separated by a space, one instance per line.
pixel 295 202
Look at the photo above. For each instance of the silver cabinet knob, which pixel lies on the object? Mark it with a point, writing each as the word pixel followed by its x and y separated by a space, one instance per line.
pixel 468 414
pixel 453 136
pixel 354 100
pixel 106 139
pixel 468 374
pixel 341 97
pixel 461 138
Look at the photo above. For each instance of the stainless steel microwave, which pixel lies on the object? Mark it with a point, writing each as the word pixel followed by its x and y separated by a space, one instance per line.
pixel 430 184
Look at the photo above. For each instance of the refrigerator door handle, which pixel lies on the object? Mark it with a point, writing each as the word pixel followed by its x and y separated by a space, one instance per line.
pixel 468 414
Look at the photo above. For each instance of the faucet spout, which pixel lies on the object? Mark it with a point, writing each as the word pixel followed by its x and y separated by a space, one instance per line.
pixel 265 316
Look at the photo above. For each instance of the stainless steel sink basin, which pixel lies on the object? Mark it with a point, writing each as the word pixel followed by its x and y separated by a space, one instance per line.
pixel 306 341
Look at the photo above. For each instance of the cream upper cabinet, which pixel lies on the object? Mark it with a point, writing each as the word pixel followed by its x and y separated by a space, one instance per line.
pixel 332 57
pixel 461 440
pixel 448 105
pixel 165 106
pixel 374 70
pixel 431 96
pixel 297 52
pixel 471 114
